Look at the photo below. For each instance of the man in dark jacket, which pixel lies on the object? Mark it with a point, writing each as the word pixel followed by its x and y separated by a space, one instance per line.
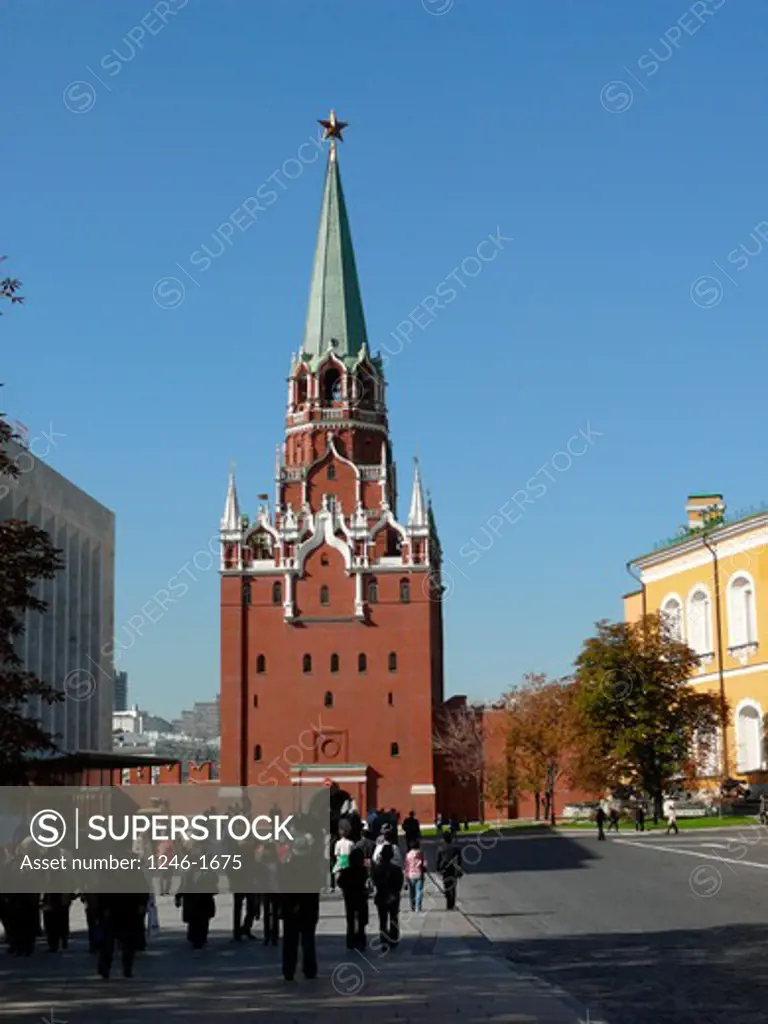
pixel 301 910
pixel 600 817
pixel 411 828
pixel 449 868
pixel 388 880
pixel 121 919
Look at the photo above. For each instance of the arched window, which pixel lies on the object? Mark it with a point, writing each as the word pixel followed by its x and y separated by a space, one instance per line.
pixel 362 663
pixel 700 622
pixel 301 390
pixel 331 386
pixel 331 473
pixel 257 752
pixel 325 597
pixel 255 700
pixel 328 699
pixel 390 698
pixel 373 592
pixel 364 388
pixel 277 593
pixel 261 664
pixel 307 663
pixel 392 661
pixel 394 750
pixel 405 591
pixel 672 614
pixel 334 663
pixel 742 625
pixel 749 737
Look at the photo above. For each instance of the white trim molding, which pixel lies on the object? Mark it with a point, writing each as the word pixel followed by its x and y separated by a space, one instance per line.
pixel 702 631
pixel 742 617
pixel 728 541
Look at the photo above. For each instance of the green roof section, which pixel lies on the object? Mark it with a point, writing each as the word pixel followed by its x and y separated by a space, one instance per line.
pixel 686 533
pixel 335 320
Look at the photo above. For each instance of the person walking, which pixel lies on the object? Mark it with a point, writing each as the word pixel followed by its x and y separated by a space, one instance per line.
pixel 763 809
pixel 353 882
pixel 56 920
pixel 613 820
pixel 300 911
pixel 388 883
pixel 450 869
pixel 415 870
pixel 670 813
pixel 600 817
pixel 270 865
pixel 411 828
pixel 121 919
pixel 164 857
pixel 90 901
pixel 22 917
pixel 342 848
pixel 388 837
pixel 197 909
pixel 639 818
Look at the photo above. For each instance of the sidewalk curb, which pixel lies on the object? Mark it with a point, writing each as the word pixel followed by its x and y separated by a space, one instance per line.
pixel 545 988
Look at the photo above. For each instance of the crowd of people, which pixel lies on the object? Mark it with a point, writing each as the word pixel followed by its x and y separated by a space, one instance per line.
pixel 608 821
pixel 367 864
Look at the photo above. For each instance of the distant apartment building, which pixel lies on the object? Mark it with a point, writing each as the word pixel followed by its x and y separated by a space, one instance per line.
pixel 133 721
pixel 121 691
pixel 202 722
pixel 69 647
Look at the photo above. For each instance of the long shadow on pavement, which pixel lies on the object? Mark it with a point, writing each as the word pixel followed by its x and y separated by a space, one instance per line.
pixel 539 850
pixel 709 976
pixel 174 985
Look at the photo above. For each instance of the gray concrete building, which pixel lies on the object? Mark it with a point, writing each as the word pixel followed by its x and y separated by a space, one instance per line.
pixel 70 646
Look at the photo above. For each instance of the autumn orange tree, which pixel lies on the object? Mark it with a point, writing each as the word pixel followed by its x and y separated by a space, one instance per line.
pixel 634 698
pixel 543 736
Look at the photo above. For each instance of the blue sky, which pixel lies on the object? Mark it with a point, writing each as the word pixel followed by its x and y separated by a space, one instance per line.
pixel 621 146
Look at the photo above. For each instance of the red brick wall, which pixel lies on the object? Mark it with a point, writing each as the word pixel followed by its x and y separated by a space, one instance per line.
pixel 289 716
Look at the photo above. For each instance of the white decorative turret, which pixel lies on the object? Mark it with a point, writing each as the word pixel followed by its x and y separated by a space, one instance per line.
pixel 230 521
pixel 359 520
pixel 417 516
pixel 383 476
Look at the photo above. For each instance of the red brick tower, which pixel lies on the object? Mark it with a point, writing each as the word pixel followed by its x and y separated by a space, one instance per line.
pixel 331 608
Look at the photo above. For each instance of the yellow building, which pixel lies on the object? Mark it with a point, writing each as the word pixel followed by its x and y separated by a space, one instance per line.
pixel 711 583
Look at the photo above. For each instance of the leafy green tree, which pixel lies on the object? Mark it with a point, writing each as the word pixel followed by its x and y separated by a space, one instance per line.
pixel 26 558
pixel 637 706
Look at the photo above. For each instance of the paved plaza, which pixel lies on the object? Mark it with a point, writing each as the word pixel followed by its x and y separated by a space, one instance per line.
pixel 551 928
pixel 442 971
pixel 641 929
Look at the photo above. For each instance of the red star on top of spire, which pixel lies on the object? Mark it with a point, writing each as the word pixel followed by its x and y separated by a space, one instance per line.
pixel 333 128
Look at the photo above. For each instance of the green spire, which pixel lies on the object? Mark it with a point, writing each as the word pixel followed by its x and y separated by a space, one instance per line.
pixel 335 316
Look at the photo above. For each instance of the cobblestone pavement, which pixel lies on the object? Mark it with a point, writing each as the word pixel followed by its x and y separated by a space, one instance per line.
pixel 442 969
